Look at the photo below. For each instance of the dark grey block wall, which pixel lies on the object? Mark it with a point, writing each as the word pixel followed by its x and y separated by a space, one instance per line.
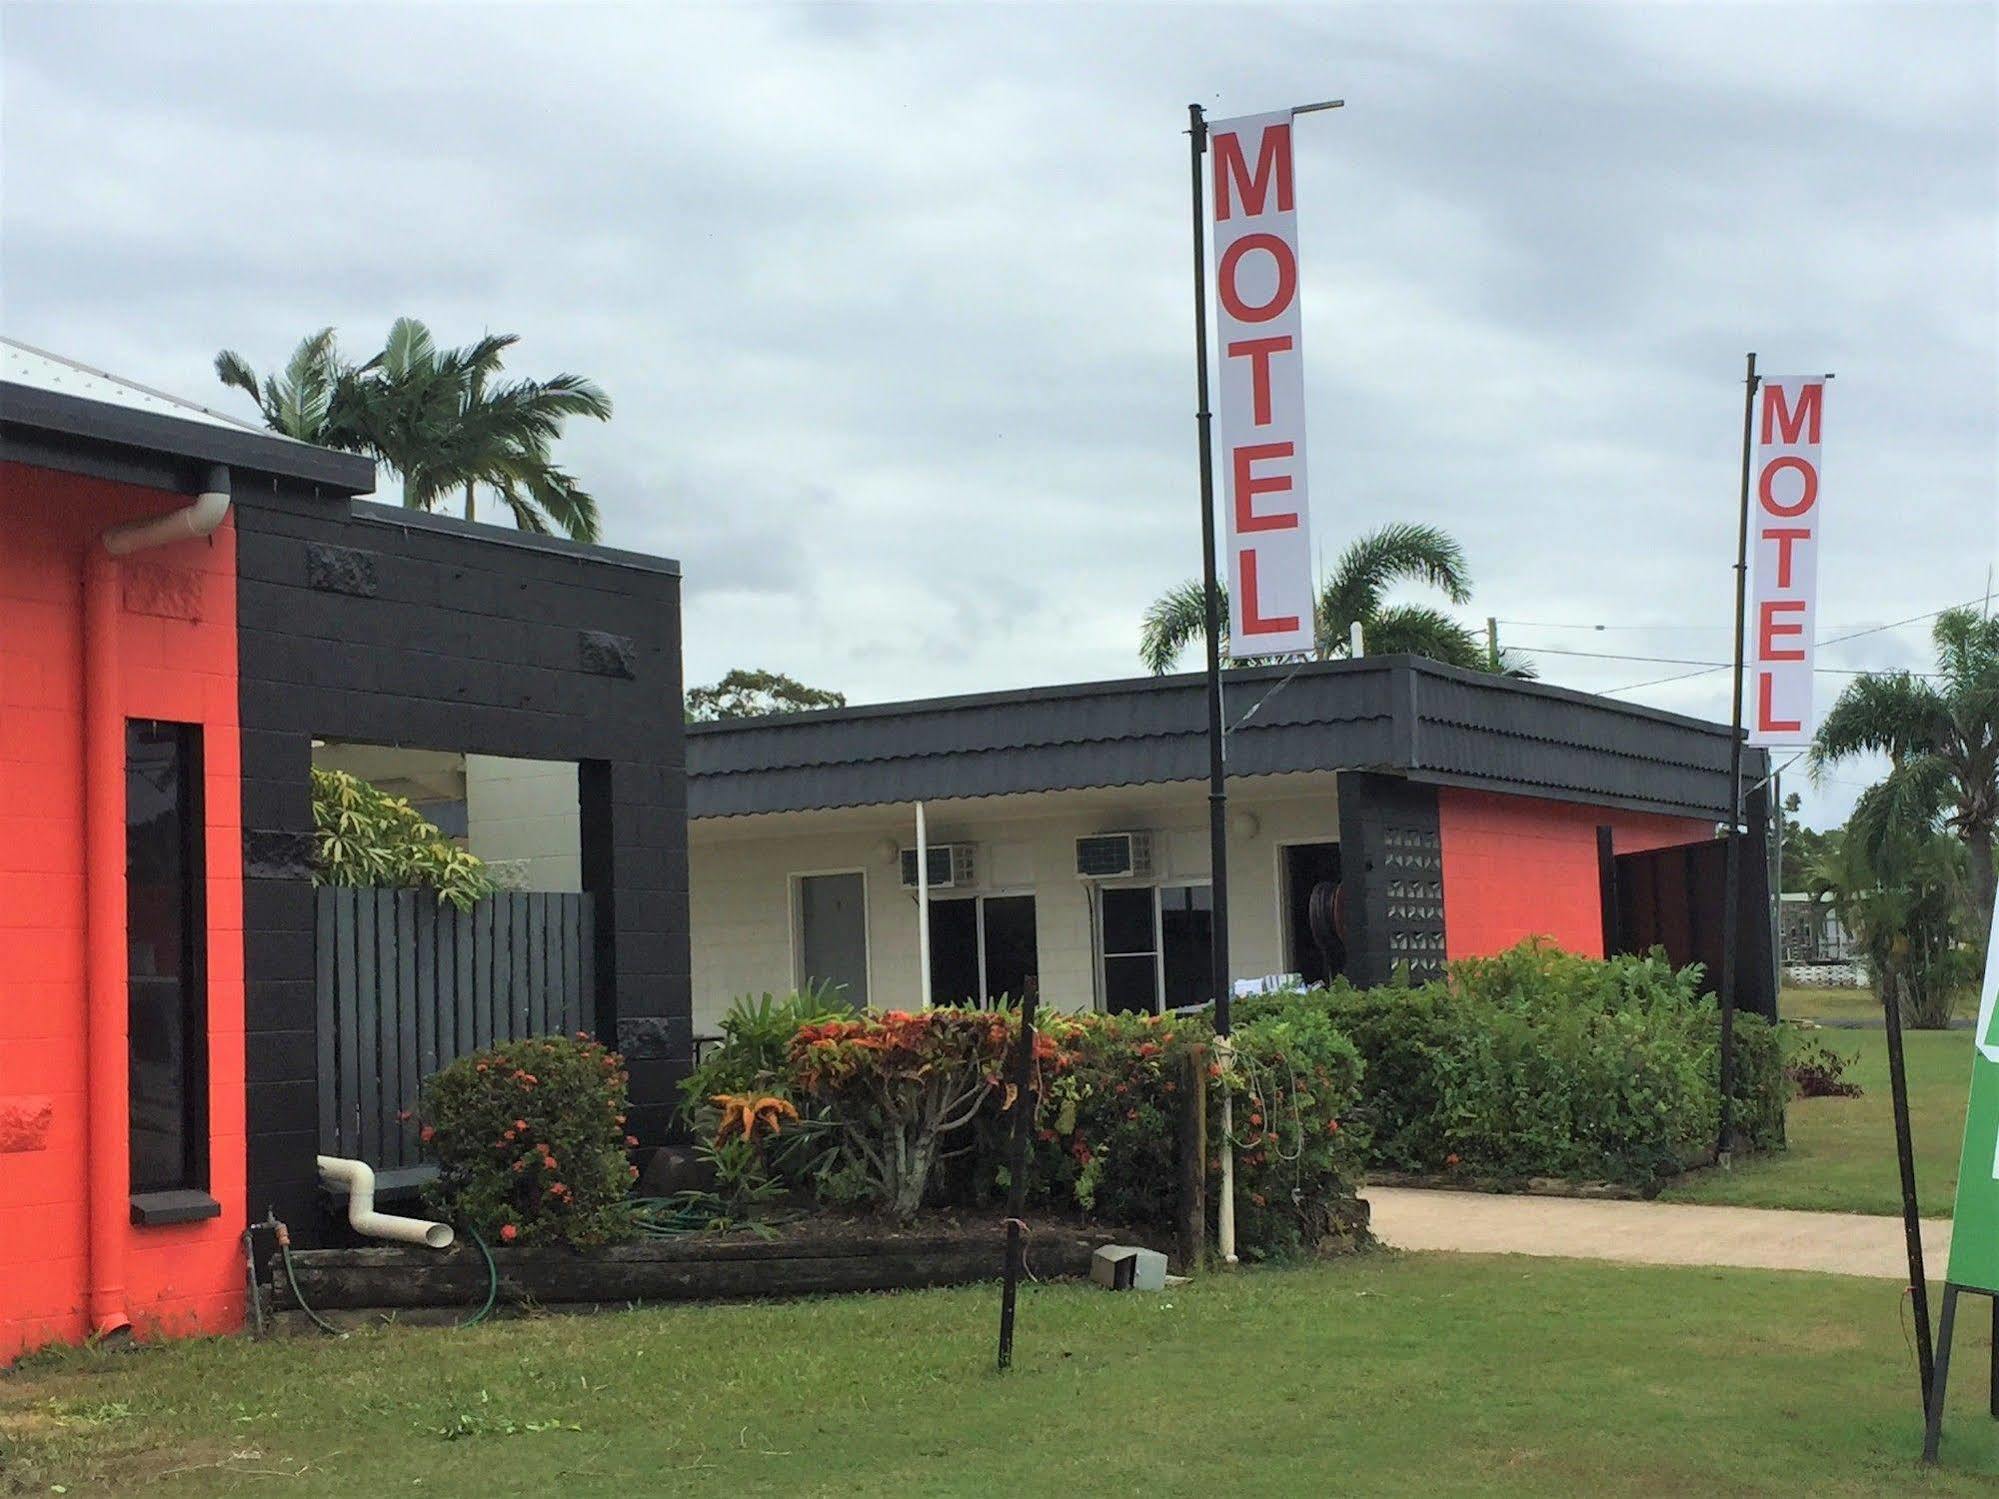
pixel 1392 877
pixel 373 624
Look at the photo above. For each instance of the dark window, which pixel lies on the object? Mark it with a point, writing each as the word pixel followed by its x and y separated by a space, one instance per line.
pixel 168 1073
pixel 1187 938
pixel 1131 950
pixel 981 949
pixel 1012 960
pixel 954 952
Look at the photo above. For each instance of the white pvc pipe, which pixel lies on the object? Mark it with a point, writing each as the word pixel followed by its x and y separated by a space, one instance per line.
pixel 189 523
pixel 359 1180
pixel 923 906
pixel 1356 642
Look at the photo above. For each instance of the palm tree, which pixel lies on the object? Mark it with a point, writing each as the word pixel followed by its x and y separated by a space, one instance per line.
pixel 1367 569
pixel 443 420
pixel 1941 737
pixel 1898 884
pixel 316 398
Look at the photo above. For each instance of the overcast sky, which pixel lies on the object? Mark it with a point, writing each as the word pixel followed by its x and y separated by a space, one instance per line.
pixel 894 302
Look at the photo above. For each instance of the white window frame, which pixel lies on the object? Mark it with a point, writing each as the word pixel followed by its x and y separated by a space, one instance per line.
pixel 1158 953
pixel 795 924
pixel 979 898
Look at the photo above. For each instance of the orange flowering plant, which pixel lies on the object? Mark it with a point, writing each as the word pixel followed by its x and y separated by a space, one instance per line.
pixel 897 1084
pixel 530 1142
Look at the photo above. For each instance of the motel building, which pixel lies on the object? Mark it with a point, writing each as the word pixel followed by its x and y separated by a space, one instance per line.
pixel 193 615
pixel 1449 813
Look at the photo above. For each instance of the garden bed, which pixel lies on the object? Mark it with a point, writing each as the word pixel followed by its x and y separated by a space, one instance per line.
pixel 816 1257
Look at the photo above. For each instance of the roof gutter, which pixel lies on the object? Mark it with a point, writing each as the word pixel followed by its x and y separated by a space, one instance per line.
pixel 106 1024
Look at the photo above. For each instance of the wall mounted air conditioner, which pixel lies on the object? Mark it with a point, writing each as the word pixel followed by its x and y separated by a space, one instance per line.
pixel 1114 856
pixel 953 866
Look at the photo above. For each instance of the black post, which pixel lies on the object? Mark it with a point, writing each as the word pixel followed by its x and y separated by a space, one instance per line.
pixel 1218 827
pixel 1933 1399
pixel 1905 1159
pixel 1731 915
pixel 1016 1187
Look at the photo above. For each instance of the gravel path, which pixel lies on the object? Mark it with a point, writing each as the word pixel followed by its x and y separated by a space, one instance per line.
pixel 1652 1233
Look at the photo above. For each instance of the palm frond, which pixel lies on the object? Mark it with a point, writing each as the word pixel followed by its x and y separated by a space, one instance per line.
pixel 1173 621
pixel 1413 629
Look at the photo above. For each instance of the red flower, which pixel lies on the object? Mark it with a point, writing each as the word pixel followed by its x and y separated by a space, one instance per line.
pixel 631 1141
pixel 426 1134
pixel 1131 1113
pixel 1332 1126
pixel 521 1125
pixel 1451 1159
pixel 1256 1119
pixel 508 1233
pixel 402 1116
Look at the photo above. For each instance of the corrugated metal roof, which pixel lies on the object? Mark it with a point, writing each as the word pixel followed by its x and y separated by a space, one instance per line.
pixel 1393 713
pixel 24 364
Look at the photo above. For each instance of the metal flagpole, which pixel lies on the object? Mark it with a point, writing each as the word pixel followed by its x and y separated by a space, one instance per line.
pixel 1731 917
pixel 1218 849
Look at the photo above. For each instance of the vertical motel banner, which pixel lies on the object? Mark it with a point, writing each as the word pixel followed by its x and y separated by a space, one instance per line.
pixel 1785 495
pixel 1268 558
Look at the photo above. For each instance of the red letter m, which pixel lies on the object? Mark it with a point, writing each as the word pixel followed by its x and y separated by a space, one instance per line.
pixel 1778 416
pixel 1273 159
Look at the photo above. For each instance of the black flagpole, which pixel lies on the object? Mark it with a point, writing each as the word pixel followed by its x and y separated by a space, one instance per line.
pixel 1218 848
pixel 1731 916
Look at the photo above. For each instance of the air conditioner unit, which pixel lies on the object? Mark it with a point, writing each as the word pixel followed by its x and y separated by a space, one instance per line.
pixel 1114 856
pixel 953 866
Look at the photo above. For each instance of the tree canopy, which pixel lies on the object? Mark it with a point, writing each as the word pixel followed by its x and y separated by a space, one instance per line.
pixel 445 421
pixel 1940 732
pixel 1355 592
pixel 748 692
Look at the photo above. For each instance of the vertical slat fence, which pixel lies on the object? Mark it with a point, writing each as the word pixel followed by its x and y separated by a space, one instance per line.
pixel 407 985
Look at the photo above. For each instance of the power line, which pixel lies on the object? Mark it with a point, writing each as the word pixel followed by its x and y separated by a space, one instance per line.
pixel 1832 640
pixel 1839 671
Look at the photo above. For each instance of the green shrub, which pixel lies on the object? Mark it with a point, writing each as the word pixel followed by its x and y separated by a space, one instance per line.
pixel 530 1142
pixel 756 1036
pixel 1540 1063
pixel 1299 1152
pixel 365 837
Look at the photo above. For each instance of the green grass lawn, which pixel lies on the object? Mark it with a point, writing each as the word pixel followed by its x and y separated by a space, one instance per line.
pixel 1382 1375
pixel 1829 1004
pixel 1842 1150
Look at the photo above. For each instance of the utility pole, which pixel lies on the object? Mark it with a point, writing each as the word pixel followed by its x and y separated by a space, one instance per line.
pixel 1218 796
pixel 1731 917
pixel 1491 643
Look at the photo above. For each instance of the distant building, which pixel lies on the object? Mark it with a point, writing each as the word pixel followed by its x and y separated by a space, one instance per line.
pixel 1453 812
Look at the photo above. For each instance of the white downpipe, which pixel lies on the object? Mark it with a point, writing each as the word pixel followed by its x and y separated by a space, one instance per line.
pixel 358 1177
pixel 1356 644
pixel 189 523
pixel 923 906
pixel 1225 1216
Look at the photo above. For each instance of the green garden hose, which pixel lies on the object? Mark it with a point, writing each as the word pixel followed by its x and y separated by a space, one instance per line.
pixel 485 1310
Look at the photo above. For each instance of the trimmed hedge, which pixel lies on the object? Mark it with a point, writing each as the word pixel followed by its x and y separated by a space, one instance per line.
pixel 1541 1063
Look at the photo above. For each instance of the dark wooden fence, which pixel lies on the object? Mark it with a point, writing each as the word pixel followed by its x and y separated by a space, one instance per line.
pixel 406 985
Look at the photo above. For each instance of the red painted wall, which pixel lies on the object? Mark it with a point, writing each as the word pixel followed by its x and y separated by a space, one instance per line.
pixel 177 648
pixel 1518 867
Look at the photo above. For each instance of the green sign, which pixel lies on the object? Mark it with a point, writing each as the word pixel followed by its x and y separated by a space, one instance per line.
pixel 1974 1234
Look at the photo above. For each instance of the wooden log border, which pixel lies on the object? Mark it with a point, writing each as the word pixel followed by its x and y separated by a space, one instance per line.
pixel 695 1268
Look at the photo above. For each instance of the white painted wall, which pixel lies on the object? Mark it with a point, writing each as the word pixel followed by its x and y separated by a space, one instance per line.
pixel 524 812
pixel 741 872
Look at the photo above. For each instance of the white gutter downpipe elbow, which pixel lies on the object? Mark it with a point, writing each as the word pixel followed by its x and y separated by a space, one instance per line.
pixel 359 1180
pixel 190 523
